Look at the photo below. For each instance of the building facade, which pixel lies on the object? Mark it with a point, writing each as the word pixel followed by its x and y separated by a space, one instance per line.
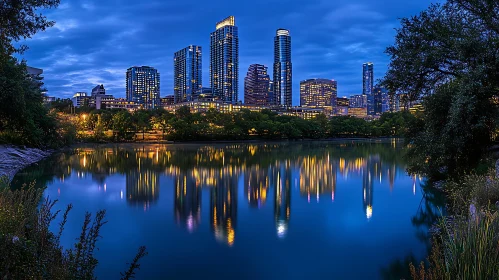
pixel 187 72
pixel 318 93
pixel 257 85
pixel 367 86
pixel 358 101
pixel 80 99
pixel 143 86
pixel 224 61
pixel 283 82
pixel 381 103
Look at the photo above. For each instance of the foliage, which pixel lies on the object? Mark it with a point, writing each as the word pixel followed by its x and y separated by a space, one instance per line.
pixel 23 118
pixel 447 56
pixel 214 125
pixel 31 251
pixel 19 20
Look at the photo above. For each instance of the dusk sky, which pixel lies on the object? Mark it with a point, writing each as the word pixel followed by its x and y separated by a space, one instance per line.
pixel 94 42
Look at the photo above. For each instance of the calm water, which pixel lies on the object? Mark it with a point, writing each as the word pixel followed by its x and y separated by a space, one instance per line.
pixel 315 210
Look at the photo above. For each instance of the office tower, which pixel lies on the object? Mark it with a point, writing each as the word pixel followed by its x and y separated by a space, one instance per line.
pixel 187 71
pixel 367 78
pixel 224 61
pixel 380 97
pixel 318 93
pixel 358 101
pixel 367 85
pixel 282 69
pixel 257 85
pixel 142 86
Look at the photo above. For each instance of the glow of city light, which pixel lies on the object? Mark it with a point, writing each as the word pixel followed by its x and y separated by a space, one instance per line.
pixel 369 212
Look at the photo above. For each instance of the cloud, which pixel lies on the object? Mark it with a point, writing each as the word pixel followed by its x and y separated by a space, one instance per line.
pixel 95 42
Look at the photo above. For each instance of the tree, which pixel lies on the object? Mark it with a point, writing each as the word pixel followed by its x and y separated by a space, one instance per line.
pixel 447 56
pixel 122 122
pixel 19 20
pixel 142 121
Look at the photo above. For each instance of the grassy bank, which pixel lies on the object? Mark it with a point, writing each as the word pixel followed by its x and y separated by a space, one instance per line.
pixel 29 250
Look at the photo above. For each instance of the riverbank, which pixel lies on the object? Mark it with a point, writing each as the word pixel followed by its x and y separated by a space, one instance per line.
pixel 13 159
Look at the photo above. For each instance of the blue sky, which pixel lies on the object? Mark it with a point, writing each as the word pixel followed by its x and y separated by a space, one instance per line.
pixel 94 42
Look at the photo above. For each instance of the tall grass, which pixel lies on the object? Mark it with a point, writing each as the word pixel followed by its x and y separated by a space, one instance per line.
pixel 467 246
pixel 29 250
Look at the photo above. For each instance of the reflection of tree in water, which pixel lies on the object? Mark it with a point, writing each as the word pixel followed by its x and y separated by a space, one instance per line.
pixel 432 207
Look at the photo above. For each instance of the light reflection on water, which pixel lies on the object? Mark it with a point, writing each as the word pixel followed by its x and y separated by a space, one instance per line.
pixel 325 202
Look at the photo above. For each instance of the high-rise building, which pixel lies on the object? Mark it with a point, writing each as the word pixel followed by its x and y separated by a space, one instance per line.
pixel 143 87
pixel 257 85
pixel 380 97
pixel 224 61
pixel 283 82
pixel 318 93
pixel 98 90
pixel 358 101
pixel 187 71
pixel 367 78
pixel 367 85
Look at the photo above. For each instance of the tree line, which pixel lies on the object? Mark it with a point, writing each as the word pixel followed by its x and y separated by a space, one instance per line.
pixel 183 125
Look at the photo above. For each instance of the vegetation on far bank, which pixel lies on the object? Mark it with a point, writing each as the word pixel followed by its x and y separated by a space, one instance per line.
pixel 93 125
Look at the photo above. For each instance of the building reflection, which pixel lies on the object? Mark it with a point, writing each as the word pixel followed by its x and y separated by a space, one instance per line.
pixel 280 178
pixel 187 202
pixel 256 185
pixel 317 176
pixel 372 166
pixel 142 187
pixel 223 202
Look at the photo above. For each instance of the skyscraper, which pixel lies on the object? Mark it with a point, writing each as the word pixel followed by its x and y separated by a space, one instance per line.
pixel 224 61
pixel 187 71
pixel 257 85
pixel 282 69
pixel 367 85
pixel 367 78
pixel 142 86
pixel 358 101
pixel 380 97
pixel 318 93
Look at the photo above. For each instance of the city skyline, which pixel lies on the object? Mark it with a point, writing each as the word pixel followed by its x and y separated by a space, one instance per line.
pixel 327 41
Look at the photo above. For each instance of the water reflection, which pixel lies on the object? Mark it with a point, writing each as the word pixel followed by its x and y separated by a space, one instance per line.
pixel 264 169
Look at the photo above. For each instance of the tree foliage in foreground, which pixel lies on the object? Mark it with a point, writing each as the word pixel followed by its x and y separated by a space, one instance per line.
pixel 447 56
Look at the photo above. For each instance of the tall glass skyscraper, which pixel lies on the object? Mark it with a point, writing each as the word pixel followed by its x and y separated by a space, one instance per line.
pixel 318 93
pixel 367 85
pixel 367 78
pixel 257 85
pixel 187 72
pixel 283 82
pixel 142 86
pixel 224 61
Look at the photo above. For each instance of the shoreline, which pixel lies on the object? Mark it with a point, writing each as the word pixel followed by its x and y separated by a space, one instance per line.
pixel 15 158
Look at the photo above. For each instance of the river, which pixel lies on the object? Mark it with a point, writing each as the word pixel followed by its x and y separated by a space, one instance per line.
pixel 276 210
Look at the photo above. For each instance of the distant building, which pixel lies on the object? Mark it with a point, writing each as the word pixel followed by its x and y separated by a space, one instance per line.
pixel 380 97
pixel 168 100
pixel 367 86
pixel 342 104
pixel 357 112
pixel 98 90
pixel 80 99
pixel 394 102
pixel 143 86
pixel 34 71
pixel 224 61
pixel 257 85
pixel 187 72
pixel 283 82
pixel 367 78
pixel 48 99
pixel 318 93
pixel 358 101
